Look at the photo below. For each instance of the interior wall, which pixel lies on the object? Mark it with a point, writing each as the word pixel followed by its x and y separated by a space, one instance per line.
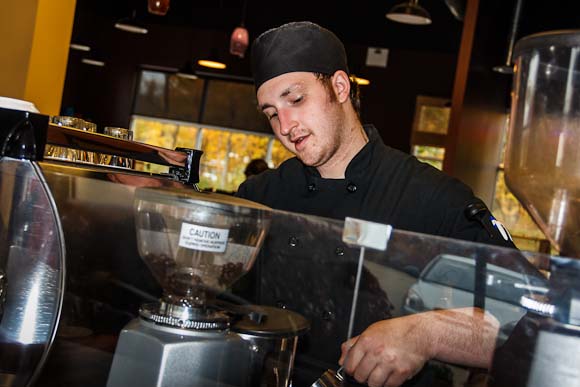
pixel 485 102
pixel 53 26
pixel 17 29
pixel 35 45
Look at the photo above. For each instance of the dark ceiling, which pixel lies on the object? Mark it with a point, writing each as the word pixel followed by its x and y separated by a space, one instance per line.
pixel 356 22
pixel 359 22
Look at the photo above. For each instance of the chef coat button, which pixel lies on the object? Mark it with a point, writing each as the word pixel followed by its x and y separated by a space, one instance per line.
pixel 327 315
pixel 351 187
pixel 311 187
pixel 292 241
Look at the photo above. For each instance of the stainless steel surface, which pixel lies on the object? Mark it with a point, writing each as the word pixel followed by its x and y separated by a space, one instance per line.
pixel 2 292
pixel 555 362
pixel 179 316
pixel 95 142
pixel 329 378
pixel 32 255
pixel 149 355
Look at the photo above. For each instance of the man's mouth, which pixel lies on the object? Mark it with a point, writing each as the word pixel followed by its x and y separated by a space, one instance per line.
pixel 299 142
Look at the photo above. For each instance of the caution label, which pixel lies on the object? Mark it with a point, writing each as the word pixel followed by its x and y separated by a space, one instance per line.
pixel 202 238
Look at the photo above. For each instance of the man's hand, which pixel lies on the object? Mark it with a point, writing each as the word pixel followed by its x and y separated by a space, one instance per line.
pixel 387 353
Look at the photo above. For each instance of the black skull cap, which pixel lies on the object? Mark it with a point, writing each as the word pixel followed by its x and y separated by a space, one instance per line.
pixel 296 46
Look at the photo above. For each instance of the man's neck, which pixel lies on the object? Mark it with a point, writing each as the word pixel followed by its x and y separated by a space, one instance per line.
pixel 355 139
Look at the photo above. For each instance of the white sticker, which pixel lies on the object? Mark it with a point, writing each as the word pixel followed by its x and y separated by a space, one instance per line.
pixel 363 233
pixel 203 238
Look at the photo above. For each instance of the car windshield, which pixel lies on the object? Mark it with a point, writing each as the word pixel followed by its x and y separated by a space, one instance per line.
pixel 501 284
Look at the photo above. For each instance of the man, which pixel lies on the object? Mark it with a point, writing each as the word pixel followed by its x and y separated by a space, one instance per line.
pixel 342 168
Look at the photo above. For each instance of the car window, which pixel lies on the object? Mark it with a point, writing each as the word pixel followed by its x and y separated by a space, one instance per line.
pixel 501 285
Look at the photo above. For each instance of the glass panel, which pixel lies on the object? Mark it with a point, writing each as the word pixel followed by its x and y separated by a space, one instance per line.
pixel 186 136
pixel 515 217
pixel 153 132
pixel 279 153
pixel 243 148
pixel 233 105
pixel 214 161
pixel 434 119
pixel 430 154
pixel 226 152
pixel 150 98
pixel 305 266
pixel 184 98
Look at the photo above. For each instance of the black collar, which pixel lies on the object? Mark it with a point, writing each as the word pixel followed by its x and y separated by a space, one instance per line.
pixel 360 163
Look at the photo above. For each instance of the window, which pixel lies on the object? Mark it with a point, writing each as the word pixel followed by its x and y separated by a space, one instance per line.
pixel 226 152
pixel 217 116
pixel 430 129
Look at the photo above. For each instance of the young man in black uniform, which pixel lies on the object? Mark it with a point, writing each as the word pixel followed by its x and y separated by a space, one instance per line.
pixel 342 168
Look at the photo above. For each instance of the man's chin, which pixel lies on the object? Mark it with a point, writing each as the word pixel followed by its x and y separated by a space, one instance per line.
pixel 306 161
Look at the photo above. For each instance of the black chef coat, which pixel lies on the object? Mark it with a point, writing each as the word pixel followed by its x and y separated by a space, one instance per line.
pixel 382 185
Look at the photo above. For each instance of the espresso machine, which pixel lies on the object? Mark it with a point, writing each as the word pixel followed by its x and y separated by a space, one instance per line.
pixel 542 169
pixel 114 276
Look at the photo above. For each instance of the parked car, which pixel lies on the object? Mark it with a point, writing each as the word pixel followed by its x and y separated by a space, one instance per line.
pixel 448 281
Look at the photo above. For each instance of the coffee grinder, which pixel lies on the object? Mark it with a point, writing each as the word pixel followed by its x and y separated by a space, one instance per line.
pixel 197 245
pixel 542 169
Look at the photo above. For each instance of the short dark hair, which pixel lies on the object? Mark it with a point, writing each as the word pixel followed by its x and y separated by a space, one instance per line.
pixel 354 90
pixel 255 167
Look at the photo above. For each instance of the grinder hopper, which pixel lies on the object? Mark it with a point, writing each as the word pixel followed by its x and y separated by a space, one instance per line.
pixel 197 244
pixel 542 165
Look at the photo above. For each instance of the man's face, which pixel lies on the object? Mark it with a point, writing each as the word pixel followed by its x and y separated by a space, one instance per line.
pixel 303 116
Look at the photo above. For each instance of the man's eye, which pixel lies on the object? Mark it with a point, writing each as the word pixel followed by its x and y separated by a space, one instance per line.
pixel 297 100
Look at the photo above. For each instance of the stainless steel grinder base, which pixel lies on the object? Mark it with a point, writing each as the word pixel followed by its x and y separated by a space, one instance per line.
pixel 151 355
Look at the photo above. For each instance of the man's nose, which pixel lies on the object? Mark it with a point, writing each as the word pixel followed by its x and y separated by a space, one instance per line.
pixel 287 122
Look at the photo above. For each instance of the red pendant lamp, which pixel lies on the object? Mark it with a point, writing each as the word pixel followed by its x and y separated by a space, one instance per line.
pixel 240 38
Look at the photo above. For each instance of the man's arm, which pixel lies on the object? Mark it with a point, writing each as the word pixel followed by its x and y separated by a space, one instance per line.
pixel 389 352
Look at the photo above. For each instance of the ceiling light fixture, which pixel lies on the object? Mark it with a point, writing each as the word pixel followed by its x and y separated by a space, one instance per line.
pixel 131 25
pixel 362 81
pixel 409 12
pixel 79 47
pixel 93 62
pixel 211 64
pixel 240 38
pixel 158 7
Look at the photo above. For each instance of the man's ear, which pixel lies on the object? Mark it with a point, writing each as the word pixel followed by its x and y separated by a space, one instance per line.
pixel 341 85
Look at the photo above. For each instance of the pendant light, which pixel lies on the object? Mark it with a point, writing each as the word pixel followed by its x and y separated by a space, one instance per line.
pixel 158 7
pixel 240 39
pixel 409 12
